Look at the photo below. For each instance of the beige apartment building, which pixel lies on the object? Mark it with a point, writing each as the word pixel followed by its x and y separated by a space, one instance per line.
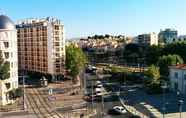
pixel 41 45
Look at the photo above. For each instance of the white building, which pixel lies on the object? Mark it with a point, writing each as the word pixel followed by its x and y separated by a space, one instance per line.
pixel 148 39
pixel 8 47
pixel 177 75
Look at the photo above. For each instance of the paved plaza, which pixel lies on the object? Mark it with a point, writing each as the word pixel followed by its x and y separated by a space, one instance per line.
pixel 152 105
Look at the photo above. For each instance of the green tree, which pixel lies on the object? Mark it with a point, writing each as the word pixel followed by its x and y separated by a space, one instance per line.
pixel 153 73
pixel 178 48
pixel 153 82
pixel 153 54
pixel 75 61
pixel 165 61
pixel 4 68
pixel 134 53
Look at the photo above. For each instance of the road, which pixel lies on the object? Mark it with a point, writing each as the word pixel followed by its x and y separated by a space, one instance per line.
pixel 38 104
pixel 104 105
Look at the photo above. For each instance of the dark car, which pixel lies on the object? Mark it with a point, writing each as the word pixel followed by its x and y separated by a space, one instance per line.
pixel 134 116
pixel 89 98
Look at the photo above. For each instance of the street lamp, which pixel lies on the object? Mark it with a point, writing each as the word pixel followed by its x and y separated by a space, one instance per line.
pixel 180 102
pixel 102 97
pixel 23 84
pixel 164 86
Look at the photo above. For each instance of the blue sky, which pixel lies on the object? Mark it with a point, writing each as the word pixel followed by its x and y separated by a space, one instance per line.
pixel 89 17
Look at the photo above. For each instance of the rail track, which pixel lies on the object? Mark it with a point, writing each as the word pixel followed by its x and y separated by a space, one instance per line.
pixel 40 105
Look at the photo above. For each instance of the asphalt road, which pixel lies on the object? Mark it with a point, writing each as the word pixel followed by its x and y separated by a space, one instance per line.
pixel 109 101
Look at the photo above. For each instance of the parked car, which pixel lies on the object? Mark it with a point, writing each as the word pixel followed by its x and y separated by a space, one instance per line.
pixel 89 98
pixel 134 116
pixel 98 82
pixel 117 110
pixel 99 86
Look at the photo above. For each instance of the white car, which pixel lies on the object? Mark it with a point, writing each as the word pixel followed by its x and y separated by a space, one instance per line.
pixel 98 89
pixel 99 86
pixel 120 109
pixel 94 68
pixel 98 82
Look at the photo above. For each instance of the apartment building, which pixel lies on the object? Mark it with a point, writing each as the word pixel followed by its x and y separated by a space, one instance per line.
pixel 41 45
pixel 8 49
pixel 168 35
pixel 148 39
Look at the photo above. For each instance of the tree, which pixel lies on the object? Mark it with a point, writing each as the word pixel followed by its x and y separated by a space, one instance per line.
pixel 4 68
pixel 165 61
pixel 153 82
pixel 134 53
pixel 153 54
pixel 107 35
pixel 178 48
pixel 153 73
pixel 75 61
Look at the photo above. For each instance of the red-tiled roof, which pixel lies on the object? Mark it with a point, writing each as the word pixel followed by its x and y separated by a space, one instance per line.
pixel 178 66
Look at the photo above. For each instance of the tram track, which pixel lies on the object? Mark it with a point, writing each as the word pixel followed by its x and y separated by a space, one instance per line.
pixel 40 105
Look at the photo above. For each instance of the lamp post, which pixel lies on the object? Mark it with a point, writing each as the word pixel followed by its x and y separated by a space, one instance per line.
pixel 24 105
pixel 180 102
pixel 92 95
pixel 164 86
pixel 102 97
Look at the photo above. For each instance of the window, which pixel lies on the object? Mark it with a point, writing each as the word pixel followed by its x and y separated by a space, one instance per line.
pixel 56 43
pixel 185 77
pixel 6 55
pixel 12 65
pixel 6 44
pixel 7 85
pixel 57 38
pixel 57 55
pixel 176 75
pixel 56 27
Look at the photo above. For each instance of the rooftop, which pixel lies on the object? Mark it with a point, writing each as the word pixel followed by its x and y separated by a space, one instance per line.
pixel 37 21
pixel 178 66
pixel 6 23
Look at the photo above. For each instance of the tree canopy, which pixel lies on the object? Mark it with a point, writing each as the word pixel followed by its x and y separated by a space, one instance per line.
pixel 153 53
pixel 75 60
pixel 4 68
pixel 165 61
pixel 134 53
pixel 153 73
pixel 178 48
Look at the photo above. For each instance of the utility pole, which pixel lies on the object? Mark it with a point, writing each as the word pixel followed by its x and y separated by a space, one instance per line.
pixel 102 105
pixel 23 84
pixel 164 86
pixel 24 106
pixel 92 95
pixel 180 102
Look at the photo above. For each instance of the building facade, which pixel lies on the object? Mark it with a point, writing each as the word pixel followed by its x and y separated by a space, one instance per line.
pixel 177 75
pixel 168 36
pixel 41 45
pixel 181 38
pixel 148 39
pixel 8 48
